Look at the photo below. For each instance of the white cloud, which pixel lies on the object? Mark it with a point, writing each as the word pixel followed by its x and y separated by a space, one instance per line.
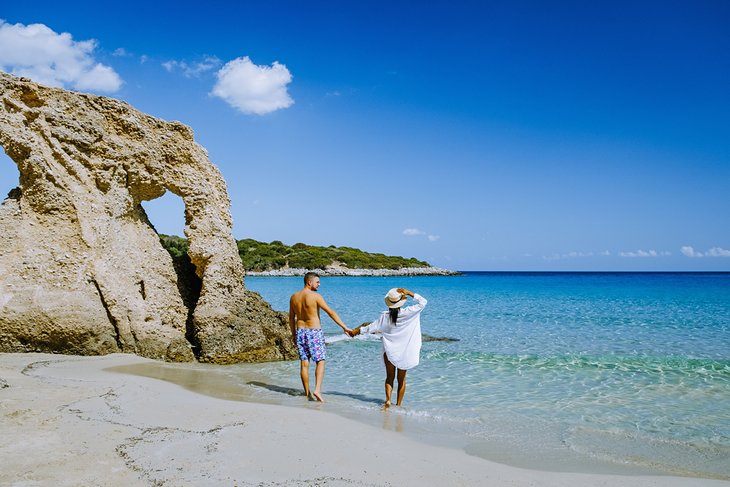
pixel 576 255
pixel 644 253
pixel 120 52
pixel 192 70
pixel 254 89
pixel 689 251
pixel 416 232
pixel 580 254
pixel 569 255
pixel 37 52
pixel 98 76
pixel 717 252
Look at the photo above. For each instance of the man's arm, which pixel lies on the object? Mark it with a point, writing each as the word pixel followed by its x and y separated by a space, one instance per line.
pixel 335 317
pixel 292 318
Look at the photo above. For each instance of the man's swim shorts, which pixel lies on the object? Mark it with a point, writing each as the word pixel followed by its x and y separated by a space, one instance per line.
pixel 310 342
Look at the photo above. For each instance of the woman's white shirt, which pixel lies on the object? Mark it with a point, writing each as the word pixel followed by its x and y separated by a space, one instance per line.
pixel 402 342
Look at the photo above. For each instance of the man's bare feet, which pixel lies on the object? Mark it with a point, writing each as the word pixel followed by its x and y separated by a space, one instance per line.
pixel 386 405
pixel 318 396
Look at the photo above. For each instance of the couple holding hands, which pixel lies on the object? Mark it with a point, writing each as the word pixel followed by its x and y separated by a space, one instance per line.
pixel 399 327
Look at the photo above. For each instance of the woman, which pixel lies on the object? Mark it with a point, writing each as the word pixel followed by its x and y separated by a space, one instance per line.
pixel 401 332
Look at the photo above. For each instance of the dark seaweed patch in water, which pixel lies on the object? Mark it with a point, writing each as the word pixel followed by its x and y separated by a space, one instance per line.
pixel 429 338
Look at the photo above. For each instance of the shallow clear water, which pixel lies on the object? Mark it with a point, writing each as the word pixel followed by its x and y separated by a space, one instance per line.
pixel 554 370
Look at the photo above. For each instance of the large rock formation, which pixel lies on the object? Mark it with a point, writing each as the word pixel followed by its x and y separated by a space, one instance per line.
pixel 82 270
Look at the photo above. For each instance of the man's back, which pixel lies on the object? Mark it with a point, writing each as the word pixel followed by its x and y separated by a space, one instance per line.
pixel 305 305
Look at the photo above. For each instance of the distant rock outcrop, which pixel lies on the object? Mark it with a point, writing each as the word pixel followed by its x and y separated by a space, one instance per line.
pixel 82 270
pixel 343 271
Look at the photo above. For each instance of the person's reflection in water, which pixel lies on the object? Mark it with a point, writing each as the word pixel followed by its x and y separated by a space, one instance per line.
pixel 390 424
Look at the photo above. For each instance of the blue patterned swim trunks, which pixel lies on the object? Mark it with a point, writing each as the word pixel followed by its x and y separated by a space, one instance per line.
pixel 310 342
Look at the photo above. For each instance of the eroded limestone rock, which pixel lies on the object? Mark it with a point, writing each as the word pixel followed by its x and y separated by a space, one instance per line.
pixel 82 270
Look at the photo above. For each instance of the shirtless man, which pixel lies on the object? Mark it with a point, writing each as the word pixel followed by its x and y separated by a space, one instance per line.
pixel 307 332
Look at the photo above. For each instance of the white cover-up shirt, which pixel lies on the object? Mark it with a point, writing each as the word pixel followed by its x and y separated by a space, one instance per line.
pixel 402 342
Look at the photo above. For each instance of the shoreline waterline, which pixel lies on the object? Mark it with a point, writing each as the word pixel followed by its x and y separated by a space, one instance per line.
pixel 628 369
pixel 604 373
pixel 68 420
pixel 242 383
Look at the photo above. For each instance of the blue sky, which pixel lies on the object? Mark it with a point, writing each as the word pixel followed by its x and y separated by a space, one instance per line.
pixel 474 135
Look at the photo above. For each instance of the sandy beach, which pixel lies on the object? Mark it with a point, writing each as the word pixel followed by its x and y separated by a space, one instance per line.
pixel 69 421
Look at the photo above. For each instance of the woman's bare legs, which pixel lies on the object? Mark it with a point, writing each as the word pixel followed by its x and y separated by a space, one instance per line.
pixel 401 386
pixel 389 379
pixel 390 372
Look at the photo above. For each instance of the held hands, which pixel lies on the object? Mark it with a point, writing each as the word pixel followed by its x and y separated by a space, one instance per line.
pixel 353 333
pixel 356 331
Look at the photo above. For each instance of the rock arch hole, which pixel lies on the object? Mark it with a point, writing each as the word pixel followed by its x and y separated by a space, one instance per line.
pixel 9 175
pixel 167 216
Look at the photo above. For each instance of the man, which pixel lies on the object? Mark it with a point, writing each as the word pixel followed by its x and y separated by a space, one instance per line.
pixel 307 331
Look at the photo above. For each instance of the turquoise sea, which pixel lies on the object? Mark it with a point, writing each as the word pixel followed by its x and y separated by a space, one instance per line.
pixel 568 371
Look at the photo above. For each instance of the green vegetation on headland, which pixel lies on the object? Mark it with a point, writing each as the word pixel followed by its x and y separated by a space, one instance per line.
pixel 176 246
pixel 260 256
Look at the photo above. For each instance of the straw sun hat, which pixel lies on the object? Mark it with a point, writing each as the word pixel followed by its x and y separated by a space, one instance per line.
pixel 394 299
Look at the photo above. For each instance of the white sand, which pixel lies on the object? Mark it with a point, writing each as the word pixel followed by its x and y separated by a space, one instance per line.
pixel 66 421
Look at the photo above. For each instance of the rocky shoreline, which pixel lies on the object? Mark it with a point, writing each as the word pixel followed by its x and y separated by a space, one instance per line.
pixel 343 271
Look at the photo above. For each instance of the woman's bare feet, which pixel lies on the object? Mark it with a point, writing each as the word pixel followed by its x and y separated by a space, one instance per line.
pixel 386 405
pixel 318 396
